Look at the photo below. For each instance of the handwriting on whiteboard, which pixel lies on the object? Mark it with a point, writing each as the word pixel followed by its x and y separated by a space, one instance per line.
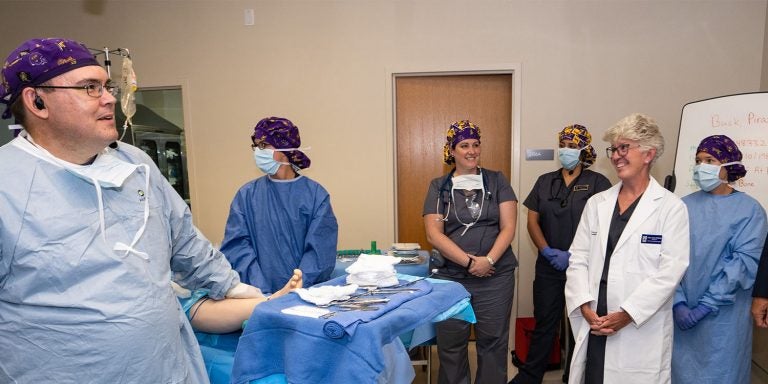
pixel 751 119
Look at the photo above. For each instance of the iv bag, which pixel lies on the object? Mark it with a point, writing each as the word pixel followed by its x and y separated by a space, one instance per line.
pixel 128 88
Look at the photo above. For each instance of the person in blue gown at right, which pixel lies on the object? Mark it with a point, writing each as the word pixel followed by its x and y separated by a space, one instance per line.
pixel 283 220
pixel 713 342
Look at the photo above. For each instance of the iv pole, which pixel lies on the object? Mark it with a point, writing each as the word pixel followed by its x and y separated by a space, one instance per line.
pixel 123 52
pixel 127 85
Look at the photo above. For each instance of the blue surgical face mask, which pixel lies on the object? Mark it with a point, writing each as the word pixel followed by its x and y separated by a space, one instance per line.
pixel 569 157
pixel 265 160
pixel 707 176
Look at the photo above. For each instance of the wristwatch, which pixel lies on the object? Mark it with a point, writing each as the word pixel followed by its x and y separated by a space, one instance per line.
pixel 490 260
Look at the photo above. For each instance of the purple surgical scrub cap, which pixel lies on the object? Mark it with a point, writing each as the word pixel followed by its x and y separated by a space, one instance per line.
pixel 281 134
pixel 36 61
pixel 723 149
pixel 457 132
pixel 582 138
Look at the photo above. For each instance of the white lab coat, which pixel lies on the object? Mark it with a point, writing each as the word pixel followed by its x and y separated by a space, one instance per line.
pixel 641 280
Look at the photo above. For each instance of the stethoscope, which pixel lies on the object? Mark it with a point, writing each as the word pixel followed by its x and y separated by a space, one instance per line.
pixel 447 186
pixel 556 194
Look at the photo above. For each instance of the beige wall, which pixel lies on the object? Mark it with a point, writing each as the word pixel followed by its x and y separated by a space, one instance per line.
pixel 326 65
pixel 764 78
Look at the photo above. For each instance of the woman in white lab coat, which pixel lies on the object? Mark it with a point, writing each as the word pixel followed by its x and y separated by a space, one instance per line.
pixel 629 253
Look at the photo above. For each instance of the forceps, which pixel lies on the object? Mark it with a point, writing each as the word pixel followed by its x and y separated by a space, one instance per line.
pixel 358 305
pixel 332 314
pixel 353 301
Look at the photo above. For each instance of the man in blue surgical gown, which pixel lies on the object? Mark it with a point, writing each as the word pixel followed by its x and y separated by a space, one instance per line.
pixel 90 235
pixel 713 339
pixel 283 220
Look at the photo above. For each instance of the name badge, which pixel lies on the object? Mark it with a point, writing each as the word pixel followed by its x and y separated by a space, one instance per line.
pixel 650 239
pixel 583 187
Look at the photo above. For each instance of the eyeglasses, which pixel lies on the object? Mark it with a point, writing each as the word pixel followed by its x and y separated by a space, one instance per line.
pixel 260 145
pixel 622 149
pixel 92 89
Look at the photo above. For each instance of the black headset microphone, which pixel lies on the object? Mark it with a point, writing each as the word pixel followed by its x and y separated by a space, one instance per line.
pixel 39 103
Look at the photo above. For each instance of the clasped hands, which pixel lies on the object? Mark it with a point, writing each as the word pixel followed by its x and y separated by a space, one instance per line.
pixel 687 318
pixel 606 325
pixel 480 267
pixel 760 311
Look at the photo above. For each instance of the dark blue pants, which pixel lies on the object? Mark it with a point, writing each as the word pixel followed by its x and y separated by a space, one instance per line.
pixel 548 306
pixel 492 303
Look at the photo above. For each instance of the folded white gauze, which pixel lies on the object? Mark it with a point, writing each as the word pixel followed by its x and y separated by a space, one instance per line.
pixel 324 294
pixel 376 270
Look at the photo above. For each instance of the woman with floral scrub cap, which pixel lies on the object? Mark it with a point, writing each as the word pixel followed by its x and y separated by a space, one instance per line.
pixel 554 209
pixel 469 216
pixel 283 220
pixel 712 303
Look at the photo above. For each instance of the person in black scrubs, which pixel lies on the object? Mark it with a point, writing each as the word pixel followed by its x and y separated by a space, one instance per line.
pixel 470 216
pixel 554 209
pixel 760 291
pixel 630 251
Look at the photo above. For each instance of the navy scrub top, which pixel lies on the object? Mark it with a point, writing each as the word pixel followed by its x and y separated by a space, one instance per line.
pixel 560 206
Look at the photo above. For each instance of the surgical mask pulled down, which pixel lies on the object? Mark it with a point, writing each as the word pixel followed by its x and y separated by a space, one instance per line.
pixel 465 184
pixel 707 176
pixel 569 157
pixel 106 171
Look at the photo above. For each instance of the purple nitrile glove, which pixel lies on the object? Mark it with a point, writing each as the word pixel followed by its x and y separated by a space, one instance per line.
pixel 680 312
pixel 560 261
pixel 549 253
pixel 694 316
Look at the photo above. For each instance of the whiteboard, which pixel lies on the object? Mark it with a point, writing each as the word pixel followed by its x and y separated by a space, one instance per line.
pixel 743 118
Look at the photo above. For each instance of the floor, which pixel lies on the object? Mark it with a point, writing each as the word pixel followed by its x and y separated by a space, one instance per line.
pixel 551 377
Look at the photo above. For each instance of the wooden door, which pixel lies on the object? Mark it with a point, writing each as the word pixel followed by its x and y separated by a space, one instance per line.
pixel 425 106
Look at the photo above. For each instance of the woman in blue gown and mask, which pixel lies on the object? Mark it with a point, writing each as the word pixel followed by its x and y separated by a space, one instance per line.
pixel 712 304
pixel 283 220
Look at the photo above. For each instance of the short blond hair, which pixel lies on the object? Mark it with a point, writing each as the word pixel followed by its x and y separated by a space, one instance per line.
pixel 639 128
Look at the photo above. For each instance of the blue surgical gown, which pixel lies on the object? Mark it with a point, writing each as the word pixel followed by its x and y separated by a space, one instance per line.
pixel 727 235
pixel 72 310
pixel 276 226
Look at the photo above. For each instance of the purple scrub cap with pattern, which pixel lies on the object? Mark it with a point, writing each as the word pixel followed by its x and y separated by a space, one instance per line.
pixel 579 135
pixel 36 61
pixel 457 132
pixel 723 149
pixel 281 134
